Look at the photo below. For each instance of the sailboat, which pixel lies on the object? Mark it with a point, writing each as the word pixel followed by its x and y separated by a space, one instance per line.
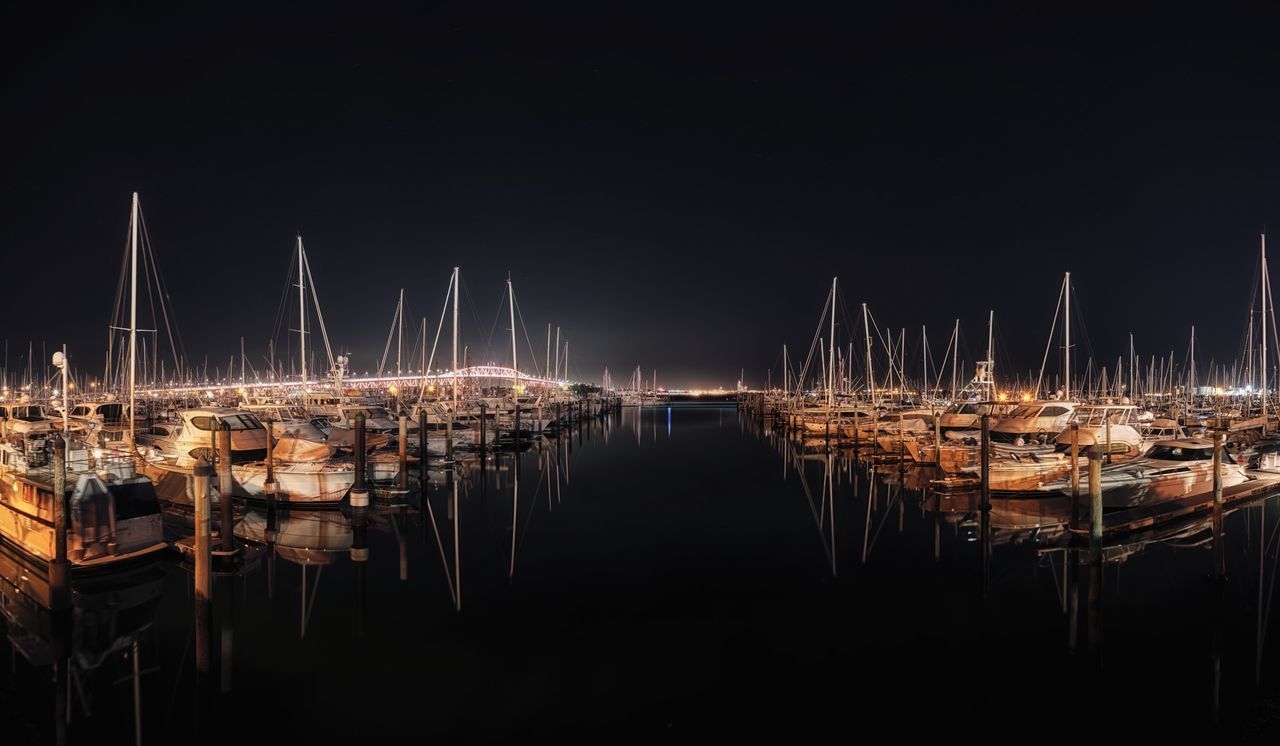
pixel 113 514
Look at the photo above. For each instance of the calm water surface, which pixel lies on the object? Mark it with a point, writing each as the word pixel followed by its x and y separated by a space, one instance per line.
pixel 669 574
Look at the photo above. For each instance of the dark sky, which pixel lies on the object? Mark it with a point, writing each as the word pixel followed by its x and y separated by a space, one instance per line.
pixel 674 186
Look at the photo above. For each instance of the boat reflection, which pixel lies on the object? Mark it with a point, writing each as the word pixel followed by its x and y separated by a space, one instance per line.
pixel 104 625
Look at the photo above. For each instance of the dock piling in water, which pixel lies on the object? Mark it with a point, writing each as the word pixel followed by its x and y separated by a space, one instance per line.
pixel 403 477
pixel 358 449
pixel 201 488
pixel 225 480
pixel 59 570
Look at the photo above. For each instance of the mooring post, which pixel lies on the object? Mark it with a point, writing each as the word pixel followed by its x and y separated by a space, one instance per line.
pixel 448 435
pixel 497 425
pixel 225 480
pixel 358 447
pixel 1075 474
pixel 422 448
pixel 1219 551
pixel 270 487
pixel 403 476
pixel 515 432
pixel 1095 559
pixel 203 476
pixel 59 569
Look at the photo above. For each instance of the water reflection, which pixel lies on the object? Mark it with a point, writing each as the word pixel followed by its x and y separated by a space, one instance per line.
pixel 661 570
pixel 1151 593
pixel 76 652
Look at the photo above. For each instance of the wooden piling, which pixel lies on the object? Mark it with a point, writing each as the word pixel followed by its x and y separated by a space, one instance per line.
pixel 358 449
pixel 225 482
pixel 422 449
pixel 403 476
pixel 59 568
pixel 448 436
pixel 202 476
pixel 270 488
pixel 1075 474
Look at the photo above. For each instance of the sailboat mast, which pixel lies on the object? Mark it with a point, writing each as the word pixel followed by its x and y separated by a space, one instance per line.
pixel 866 332
pixel 1266 293
pixel 455 342
pixel 302 311
pixel 785 390
pixel 1066 291
pixel 511 301
pixel 400 327
pixel 831 348
pixel 955 358
pixel 924 362
pixel 133 316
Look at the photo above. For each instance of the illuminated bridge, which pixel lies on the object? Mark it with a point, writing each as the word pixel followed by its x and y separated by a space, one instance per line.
pixel 476 375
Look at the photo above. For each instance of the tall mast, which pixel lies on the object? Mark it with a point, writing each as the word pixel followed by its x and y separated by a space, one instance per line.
pixel 1266 293
pixel 924 362
pixel 1066 290
pixel 400 327
pixel 1191 385
pixel 302 311
pixel 546 364
pixel 133 316
pixel 866 331
pixel 455 342
pixel 511 301
pixel 785 391
pixel 955 358
pixel 557 371
pixel 991 361
pixel 831 348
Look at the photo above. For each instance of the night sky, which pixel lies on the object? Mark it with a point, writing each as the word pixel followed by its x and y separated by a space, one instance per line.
pixel 673 186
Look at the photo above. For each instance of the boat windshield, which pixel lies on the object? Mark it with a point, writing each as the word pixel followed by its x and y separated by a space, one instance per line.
pixel 1095 416
pixel 1025 412
pixel 233 421
pixel 1180 453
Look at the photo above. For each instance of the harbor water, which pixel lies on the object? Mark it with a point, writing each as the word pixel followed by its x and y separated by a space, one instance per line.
pixel 666 573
